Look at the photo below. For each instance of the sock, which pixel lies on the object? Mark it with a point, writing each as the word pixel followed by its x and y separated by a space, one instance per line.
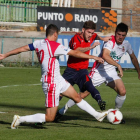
pixel 86 107
pixel 93 91
pixel 36 118
pixel 119 101
pixel 69 104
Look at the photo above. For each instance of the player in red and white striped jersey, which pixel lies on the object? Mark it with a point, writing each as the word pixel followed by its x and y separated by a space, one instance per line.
pixel 52 82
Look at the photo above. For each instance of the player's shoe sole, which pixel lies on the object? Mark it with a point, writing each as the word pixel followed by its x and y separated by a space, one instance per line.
pixel 15 122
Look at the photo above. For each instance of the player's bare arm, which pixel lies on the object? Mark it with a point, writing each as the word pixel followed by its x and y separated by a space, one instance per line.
pixel 104 38
pixel 135 63
pixel 78 54
pixel 15 51
pixel 88 48
pixel 106 56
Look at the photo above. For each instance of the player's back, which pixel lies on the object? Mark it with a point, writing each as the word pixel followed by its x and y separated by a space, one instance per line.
pixel 45 51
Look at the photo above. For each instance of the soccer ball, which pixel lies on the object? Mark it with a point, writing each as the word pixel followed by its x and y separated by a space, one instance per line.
pixel 114 116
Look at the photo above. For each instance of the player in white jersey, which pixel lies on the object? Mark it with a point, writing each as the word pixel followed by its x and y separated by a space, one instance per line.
pixel 52 82
pixel 112 52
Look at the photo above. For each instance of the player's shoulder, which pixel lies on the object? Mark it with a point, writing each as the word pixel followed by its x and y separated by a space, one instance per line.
pixel 126 42
pixel 77 35
pixel 111 42
pixel 39 41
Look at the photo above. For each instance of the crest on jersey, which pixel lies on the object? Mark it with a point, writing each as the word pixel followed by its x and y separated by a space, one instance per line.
pixel 113 54
pixel 74 44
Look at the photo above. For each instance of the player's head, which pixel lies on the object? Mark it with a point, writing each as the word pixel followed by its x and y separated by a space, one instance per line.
pixel 121 32
pixel 88 29
pixel 52 30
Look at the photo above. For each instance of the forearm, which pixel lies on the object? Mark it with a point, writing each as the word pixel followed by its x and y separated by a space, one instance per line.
pixel 17 51
pixel 79 54
pixel 84 49
pixel 109 60
pixel 136 64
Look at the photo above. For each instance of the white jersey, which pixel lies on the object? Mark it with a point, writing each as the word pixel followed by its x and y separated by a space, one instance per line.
pixel 116 52
pixel 47 51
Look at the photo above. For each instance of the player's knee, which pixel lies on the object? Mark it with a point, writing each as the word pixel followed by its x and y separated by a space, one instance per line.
pixel 123 92
pixel 77 98
pixel 49 118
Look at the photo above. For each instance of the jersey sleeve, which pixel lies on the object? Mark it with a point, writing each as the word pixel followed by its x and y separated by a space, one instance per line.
pixel 61 50
pixel 33 45
pixel 71 43
pixel 108 45
pixel 129 49
pixel 75 42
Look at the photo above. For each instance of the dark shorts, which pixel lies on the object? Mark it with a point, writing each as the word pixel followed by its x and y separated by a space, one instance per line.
pixel 76 77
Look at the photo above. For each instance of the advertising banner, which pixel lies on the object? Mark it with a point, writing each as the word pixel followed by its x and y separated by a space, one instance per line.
pixel 72 19
pixel 125 61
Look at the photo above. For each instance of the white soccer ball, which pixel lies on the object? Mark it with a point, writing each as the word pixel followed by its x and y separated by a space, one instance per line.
pixel 114 116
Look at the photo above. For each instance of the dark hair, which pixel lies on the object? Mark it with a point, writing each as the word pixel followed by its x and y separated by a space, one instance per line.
pixel 89 25
pixel 51 29
pixel 122 27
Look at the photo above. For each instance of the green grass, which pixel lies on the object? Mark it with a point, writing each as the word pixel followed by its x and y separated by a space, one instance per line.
pixel 24 96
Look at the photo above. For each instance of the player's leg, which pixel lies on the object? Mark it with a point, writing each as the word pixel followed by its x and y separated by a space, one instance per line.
pixel 51 92
pixel 71 103
pixel 35 118
pixel 88 85
pixel 71 93
pixel 97 79
pixel 119 87
pixel 116 83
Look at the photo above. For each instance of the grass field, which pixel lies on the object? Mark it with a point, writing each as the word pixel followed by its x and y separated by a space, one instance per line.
pixel 21 93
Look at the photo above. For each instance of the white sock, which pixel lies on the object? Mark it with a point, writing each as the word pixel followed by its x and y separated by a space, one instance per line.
pixel 89 109
pixel 36 118
pixel 119 101
pixel 69 104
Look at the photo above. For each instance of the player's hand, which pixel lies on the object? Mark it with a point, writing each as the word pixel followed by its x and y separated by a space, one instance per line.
pixel 95 44
pixel 99 59
pixel 107 38
pixel 2 56
pixel 120 71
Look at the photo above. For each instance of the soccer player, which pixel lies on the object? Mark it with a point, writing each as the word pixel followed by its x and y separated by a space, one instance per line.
pixel 112 52
pixel 52 82
pixel 76 71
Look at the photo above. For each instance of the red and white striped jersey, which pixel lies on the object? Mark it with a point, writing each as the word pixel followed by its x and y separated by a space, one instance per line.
pixel 47 51
pixel 116 52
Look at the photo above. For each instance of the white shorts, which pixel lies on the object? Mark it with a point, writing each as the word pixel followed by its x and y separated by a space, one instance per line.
pixel 52 91
pixel 100 77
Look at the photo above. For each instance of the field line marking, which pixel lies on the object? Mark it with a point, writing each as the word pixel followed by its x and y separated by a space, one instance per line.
pixel 19 85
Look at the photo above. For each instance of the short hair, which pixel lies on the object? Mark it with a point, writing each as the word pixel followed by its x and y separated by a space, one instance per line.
pixel 89 25
pixel 51 29
pixel 122 27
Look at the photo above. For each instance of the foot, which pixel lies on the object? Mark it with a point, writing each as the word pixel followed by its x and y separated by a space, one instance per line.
pixel 122 121
pixel 15 122
pixel 57 117
pixel 102 115
pixel 102 105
